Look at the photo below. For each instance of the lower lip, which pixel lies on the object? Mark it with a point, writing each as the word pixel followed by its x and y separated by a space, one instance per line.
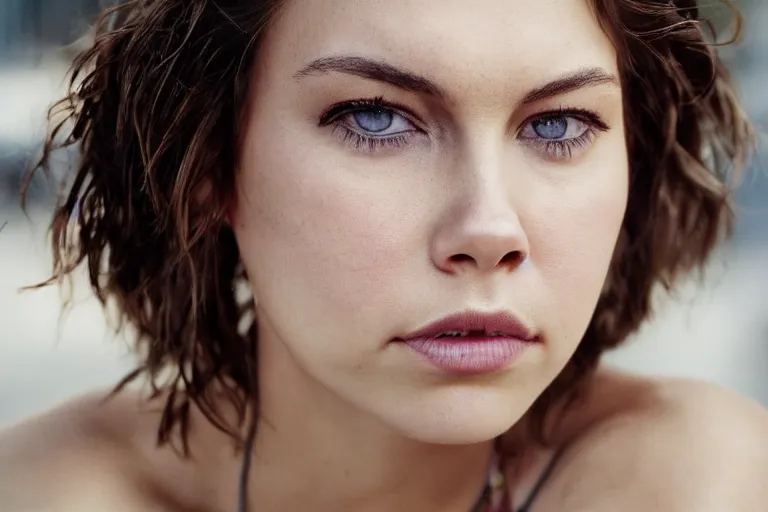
pixel 468 356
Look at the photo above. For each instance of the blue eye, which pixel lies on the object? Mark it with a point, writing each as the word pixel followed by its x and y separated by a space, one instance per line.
pixel 370 124
pixel 551 128
pixel 555 127
pixel 561 136
pixel 373 120
pixel 377 122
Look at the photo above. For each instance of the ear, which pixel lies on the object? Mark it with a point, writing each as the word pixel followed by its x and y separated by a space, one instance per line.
pixel 210 206
pixel 230 211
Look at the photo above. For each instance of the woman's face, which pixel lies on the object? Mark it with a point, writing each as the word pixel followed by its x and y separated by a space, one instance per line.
pixel 406 160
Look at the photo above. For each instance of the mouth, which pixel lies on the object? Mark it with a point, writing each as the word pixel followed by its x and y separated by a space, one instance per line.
pixel 473 325
pixel 470 334
pixel 471 342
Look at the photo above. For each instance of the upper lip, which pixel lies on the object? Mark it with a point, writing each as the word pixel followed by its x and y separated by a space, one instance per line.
pixel 501 323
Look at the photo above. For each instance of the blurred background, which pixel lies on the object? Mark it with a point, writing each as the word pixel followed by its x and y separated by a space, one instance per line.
pixel 717 331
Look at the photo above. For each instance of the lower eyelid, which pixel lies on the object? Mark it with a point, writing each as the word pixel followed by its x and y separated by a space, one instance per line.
pixel 551 149
pixel 345 126
pixel 361 142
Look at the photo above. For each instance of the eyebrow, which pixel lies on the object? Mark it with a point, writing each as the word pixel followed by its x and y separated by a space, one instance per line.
pixel 374 70
pixel 582 78
pixel 383 72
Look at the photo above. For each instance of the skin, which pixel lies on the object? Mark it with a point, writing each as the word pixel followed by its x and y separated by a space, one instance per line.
pixel 348 248
pixel 327 230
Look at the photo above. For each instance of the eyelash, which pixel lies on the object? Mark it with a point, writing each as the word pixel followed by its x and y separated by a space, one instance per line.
pixel 554 149
pixel 564 149
pixel 357 140
pixel 371 144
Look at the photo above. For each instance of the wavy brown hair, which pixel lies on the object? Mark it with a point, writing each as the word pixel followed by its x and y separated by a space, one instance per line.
pixel 154 109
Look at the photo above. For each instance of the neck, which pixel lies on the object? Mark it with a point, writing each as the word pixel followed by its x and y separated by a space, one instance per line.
pixel 377 475
pixel 312 448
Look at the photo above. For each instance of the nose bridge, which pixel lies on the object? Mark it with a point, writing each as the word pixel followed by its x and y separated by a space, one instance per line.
pixel 481 227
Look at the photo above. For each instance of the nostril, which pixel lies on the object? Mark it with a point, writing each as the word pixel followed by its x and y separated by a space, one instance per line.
pixel 512 259
pixel 461 258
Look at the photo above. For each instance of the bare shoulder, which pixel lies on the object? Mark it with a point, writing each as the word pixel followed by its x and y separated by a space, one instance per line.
pixel 665 444
pixel 78 456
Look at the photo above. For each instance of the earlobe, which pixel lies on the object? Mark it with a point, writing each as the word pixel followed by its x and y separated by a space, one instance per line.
pixel 230 215
pixel 231 207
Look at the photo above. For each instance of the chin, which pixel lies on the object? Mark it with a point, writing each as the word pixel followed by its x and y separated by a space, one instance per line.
pixel 454 422
pixel 456 434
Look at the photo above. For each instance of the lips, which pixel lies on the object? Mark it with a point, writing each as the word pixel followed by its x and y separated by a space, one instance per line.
pixel 471 342
pixel 472 324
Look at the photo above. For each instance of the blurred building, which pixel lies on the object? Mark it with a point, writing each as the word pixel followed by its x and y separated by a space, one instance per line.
pixel 31 33
pixel 28 26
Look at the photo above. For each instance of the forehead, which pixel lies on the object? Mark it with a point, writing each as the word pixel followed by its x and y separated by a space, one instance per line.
pixel 450 39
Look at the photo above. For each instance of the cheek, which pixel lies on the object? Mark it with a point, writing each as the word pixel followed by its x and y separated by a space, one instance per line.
pixel 319 239
pixel 572 241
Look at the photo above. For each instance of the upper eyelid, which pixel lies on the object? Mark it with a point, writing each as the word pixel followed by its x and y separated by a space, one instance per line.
pixel 590 125
pixel 345 107
pixel 408 116
pixel 584 115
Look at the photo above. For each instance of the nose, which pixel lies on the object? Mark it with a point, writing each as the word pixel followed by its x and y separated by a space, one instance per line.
pixel 481 232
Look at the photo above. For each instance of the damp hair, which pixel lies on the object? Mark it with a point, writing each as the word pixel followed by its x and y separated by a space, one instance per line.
pixel 154 110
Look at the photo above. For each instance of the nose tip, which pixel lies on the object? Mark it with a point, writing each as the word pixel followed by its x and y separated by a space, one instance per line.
pixel 481 244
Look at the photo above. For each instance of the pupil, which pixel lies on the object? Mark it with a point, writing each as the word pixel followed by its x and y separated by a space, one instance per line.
pixel 373 120
pixel 551 128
